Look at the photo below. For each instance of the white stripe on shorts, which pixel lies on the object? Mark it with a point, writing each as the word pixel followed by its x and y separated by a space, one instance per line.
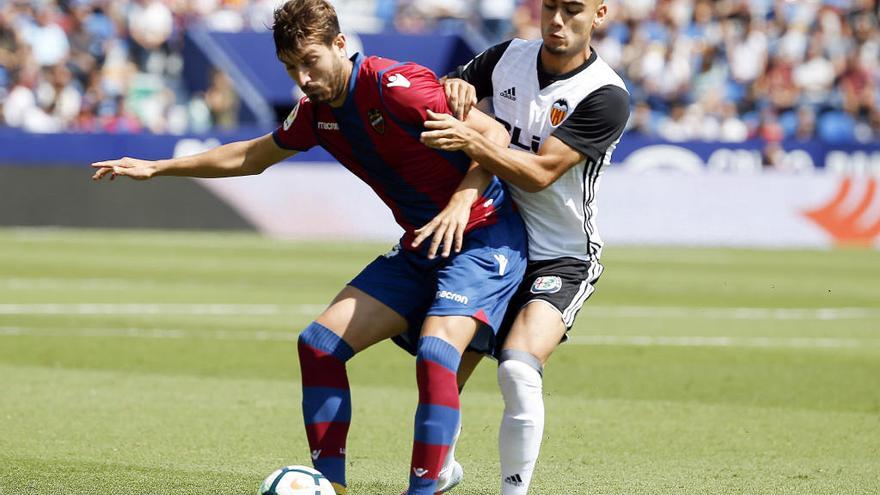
pixel 584 292
pixel 579 298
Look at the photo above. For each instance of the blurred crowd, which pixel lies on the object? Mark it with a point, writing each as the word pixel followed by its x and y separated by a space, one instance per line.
pixel 726 70
pixel 720 70
pixel 110 66
pixel 735 69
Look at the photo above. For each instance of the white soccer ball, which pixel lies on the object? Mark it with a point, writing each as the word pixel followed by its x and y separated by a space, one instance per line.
pixel 296 480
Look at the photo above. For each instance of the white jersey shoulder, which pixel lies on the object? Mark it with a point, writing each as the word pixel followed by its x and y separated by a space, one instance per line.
pixel 561 219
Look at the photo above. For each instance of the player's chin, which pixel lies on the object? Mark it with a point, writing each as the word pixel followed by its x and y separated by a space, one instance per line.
pixel 559 48
pixel 318 96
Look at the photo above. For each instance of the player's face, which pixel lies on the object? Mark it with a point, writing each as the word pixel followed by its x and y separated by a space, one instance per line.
pixel 319 70
pixel 566 25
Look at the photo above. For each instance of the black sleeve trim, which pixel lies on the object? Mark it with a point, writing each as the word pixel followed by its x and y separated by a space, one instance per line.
pixel 597 122
pixel 479 70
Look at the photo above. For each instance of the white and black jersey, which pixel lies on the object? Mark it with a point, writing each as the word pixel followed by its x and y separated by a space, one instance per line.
pixel 586 109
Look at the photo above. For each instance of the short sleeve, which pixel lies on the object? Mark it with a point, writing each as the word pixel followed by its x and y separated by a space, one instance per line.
pixel 597 122
pixel 409 90
pixel 478 71
pixel 297 132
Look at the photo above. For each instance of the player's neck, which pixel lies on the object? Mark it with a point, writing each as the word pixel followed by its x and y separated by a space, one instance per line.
pixel 347 67
pixel 562 64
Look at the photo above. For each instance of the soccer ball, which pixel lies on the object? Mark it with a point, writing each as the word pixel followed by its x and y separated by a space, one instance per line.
pixel 296 480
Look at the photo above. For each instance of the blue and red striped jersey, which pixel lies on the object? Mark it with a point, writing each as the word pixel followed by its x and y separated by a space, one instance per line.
pixel 375 134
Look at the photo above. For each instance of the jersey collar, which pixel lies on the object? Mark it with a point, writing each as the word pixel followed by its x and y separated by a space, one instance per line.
pixel 356 60
pixel 545 78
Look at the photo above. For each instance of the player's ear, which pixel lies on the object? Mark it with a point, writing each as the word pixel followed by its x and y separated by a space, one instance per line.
pixel 601 13
pixel 339 43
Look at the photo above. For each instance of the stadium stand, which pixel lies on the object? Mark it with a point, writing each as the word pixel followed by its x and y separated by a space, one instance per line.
pixel 726 70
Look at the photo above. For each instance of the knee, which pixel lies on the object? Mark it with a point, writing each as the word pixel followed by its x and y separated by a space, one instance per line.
pixel 440 351
pixel 316 340
pixel 519 373
pixel 455 330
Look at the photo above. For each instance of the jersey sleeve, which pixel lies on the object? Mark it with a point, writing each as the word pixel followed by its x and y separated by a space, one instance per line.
pixel 297 132
pixel 597 122
pixel 478 71
pixel 409 90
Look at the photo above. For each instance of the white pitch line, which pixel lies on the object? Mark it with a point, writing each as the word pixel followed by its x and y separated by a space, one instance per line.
pixel 72 283
pixel 580 340
pixel 760 342
pixel 159 309
pixel 149 333
pixel 643 312
pixel 733 313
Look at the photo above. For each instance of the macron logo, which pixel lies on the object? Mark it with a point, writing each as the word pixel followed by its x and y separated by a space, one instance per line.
pixel 395 80
pixel 328 126
pixel 502 263
pixel 445 294
pixel 419 472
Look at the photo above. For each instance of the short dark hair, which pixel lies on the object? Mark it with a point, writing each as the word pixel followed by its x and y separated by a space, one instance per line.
pixel 302 22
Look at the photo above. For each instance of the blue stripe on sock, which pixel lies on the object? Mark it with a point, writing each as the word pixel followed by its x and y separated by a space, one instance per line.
pixel 324 404
pixel 421 486
pixel 436 425
pixel 439 351
pixel 333 468
pixel 322 338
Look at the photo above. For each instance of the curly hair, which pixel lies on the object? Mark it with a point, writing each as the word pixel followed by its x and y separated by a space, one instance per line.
pixel 302 22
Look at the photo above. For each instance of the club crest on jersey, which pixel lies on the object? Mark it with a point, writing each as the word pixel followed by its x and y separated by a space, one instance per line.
pixel 291 117
pixel 558 112
pixel 546 285
pixel 377 120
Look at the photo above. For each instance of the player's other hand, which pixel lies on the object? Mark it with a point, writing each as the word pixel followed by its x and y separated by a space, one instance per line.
pixel 127 167
pixel 461 96
pixel 445 132
pixel 446 230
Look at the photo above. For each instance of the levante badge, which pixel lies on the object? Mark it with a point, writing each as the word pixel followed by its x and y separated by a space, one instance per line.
pixel 374 115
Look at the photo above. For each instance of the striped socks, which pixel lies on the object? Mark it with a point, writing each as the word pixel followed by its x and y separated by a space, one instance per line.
pixel 326 399
pixel 437 415
pixel 326 405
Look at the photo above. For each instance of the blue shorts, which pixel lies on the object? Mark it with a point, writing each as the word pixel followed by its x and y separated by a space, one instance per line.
pixel 477 282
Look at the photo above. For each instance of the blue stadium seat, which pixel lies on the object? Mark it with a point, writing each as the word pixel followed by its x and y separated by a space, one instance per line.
pixel 735 91
pixel 788 121
pixel 836 127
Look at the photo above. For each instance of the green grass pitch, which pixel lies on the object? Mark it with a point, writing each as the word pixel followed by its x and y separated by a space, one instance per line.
pixel 165 363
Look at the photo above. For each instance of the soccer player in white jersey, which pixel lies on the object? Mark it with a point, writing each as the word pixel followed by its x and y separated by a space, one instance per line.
pixel 565 109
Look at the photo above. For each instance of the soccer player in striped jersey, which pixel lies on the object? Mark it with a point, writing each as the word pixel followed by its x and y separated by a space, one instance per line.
pixel 565 109
pixel 369 112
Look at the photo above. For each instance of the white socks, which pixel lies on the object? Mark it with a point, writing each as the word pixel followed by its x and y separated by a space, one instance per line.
pixel 522 427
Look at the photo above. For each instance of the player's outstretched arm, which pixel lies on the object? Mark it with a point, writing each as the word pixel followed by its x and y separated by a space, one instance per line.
pixel 447 228
pixel 529 172
pixel 234 159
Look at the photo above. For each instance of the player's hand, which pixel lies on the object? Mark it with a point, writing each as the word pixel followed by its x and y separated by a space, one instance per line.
pixel 127 167
pixel 447 228
pixel 461 96
pixel 445 132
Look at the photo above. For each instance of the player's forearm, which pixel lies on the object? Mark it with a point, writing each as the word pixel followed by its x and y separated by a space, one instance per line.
pixel 524 170
pixel 230 160
pixel 472 185
pixel 478 177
